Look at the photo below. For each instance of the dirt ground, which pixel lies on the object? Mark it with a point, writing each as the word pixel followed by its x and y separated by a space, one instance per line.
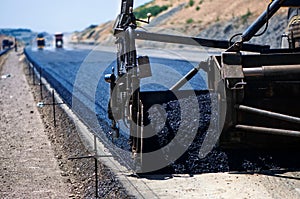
pixel 28 167
pixel 33 153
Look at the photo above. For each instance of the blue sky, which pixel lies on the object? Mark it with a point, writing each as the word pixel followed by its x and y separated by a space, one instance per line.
pixel 58 15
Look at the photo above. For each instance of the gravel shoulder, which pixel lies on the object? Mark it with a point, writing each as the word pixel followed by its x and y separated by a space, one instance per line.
pixel 28 167
pixel 34 155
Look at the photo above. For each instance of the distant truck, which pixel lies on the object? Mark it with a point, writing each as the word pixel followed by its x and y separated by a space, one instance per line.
pixel 40 41
pixel 6 44
pixel 59 40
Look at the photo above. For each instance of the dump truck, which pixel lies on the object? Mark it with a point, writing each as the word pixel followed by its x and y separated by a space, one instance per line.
pixel 59 40
pixel 40 39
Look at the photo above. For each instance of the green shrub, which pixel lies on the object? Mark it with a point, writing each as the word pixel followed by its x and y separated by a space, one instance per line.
pixel 92 26
pixel 246 16
pixel 197 8
pixel 191 3
pixel 190 20
pixel 154 10
pixel 143 6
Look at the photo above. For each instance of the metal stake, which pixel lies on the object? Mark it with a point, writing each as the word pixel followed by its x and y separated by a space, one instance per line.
pixel 29 71
pixel 95 156
pixel 96 166
pixel 41 85
pixel 53 105
pixel 33 79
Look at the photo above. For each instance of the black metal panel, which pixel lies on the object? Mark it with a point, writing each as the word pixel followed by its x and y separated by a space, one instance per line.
pixel 261 59
pixel 126 4
pixel 195 41
pixel 291 3
pixel 270 60
pixel 150 98
pixel 280 50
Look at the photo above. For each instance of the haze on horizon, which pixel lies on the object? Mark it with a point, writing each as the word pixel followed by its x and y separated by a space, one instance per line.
pixel 58 15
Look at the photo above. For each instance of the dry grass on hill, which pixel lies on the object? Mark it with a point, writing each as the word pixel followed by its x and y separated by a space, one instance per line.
pixel 194 17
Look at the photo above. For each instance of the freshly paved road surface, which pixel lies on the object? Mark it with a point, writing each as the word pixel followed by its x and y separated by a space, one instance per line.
pixel 269 184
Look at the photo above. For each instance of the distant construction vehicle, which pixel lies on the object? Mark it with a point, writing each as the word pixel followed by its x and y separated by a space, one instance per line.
pixel 40 41
pixel 6 44
pixel 59 40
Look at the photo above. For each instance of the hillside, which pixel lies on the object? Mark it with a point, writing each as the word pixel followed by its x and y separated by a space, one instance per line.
pixel 23 35
pixel 205 18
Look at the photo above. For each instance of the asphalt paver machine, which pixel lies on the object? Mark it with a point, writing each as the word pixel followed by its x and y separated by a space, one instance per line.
pixel 257 88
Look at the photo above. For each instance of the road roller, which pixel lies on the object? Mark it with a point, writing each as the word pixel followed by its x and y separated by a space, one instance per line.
pixel 254 89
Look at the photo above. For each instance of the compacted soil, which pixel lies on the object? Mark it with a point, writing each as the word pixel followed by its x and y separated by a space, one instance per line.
pixel 34 154
pixel 28 168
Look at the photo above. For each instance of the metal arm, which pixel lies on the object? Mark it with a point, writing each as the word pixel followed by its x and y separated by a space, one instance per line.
pixel 248 34
pixel 262 19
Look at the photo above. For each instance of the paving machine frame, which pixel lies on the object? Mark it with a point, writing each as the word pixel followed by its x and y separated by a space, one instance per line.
pixel 261 88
